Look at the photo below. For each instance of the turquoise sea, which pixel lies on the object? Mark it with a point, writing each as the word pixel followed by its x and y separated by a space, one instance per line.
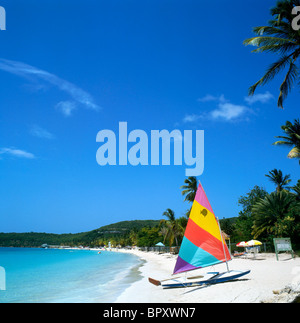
pixel 65 276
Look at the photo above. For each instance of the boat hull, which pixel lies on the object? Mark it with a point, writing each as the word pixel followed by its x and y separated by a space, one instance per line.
pixel 209 279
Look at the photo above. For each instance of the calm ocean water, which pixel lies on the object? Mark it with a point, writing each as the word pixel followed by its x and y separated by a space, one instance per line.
pixel 50 275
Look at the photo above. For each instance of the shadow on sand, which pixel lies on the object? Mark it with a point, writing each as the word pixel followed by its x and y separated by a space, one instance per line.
pixel 208 285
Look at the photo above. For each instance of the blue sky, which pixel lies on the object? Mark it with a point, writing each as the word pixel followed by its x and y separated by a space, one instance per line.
pixel 69 69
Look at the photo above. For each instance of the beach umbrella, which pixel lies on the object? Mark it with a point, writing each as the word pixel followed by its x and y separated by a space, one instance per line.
pixel 160 244
pixel 253 243
pixel 241 244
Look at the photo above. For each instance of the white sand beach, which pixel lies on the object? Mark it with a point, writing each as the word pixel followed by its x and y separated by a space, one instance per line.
pixel 269 281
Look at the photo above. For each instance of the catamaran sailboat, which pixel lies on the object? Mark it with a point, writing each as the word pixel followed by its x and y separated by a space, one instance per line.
pixel 203 245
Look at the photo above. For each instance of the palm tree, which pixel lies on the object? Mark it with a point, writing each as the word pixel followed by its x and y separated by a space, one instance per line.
pixel 163 231
pixel 173 230
pixel 296 190
pixel 280 38
pixel 275 214
pixel 291 138
pixel 182 223
pixel 278 179
pixel 133 236
pixel 190 189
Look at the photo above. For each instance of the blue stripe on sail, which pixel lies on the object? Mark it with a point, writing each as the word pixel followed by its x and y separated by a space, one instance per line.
pixel 196 256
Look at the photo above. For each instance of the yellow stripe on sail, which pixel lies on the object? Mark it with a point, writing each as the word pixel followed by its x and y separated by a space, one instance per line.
pixel 205 220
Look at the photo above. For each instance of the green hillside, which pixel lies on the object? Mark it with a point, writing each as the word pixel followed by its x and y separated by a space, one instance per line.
pixel 118 232
pixel 143 233
pixel 125 226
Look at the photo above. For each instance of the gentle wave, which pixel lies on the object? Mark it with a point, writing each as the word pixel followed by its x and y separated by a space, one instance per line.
pixel 65 276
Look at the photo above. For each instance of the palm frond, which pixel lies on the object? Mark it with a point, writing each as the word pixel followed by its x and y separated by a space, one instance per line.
pixel 287 84
pixel 282 49
pixel 273 70
pixel 269 30
pixel 286 143
pixel 280 38
pixel 294 153
pixel 267 41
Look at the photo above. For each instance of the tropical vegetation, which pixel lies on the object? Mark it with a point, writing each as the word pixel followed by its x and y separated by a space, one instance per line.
pixel 291 138
pixel 122 233
pixel 277 215
pixel 189 190
pixel 267 216
pixel 279 37
pixel 281 181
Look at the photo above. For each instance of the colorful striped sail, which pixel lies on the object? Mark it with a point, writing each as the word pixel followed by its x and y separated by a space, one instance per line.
pixel 202 244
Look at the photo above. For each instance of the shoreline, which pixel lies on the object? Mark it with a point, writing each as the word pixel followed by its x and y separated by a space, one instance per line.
pixel 270 281
pixel 73 275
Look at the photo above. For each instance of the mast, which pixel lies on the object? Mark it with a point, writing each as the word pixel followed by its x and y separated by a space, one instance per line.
pixel 223 245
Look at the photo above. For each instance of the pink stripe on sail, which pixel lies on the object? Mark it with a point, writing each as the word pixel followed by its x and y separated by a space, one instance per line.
pixel 202 199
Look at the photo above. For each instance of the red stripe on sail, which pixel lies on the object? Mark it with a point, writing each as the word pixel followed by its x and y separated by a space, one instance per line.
pixel 206 241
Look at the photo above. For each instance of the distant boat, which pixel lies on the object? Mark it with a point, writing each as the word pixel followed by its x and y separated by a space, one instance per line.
pixel 203 245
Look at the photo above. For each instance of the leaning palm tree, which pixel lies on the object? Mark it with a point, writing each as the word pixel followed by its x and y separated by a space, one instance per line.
pixel 278 179
pixel 190 189
pixel 291 138
pixel 280 38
